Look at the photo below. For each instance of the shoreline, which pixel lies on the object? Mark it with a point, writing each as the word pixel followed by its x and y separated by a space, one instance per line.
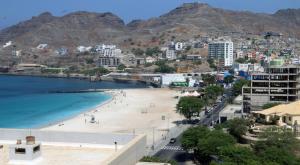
pixel 46 76
pixel 86 78
pixel 88 110
pixel 133 111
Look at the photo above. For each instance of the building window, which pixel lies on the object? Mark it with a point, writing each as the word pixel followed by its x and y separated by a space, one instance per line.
pixel 36 149
pixel 290 118
pixel 20 151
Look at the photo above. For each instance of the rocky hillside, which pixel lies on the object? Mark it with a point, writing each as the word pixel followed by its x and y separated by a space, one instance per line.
pixel 70 30
pixel 188 20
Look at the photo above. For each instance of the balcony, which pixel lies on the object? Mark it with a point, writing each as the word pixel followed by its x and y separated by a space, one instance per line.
pixel 279 98
pixel 278 85
pixel 260 91
pixel 278 91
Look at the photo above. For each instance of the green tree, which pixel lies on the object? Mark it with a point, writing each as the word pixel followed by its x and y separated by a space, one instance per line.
pixel 138 51
pixel 211 63
pixel 213 91
pixel 228 79
pixel 96 71
pixel 188 48
pixel 252 61
pixel 163 67
pixel 238 86
pixel 213 142
pixel 189 106
pixel 208 79
pixel 153 51
pixel 270 105
pixel 238 155
pixel 190 137
pixel 237 127
pixel 278 146
pixel 241 60
pixel 158 160
pixel 121 67
pixel 89 60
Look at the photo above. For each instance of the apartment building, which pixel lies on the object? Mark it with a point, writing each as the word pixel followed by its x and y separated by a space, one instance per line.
pixel 103 61
pixel 222 52
pixel 278 83
pixel 170 54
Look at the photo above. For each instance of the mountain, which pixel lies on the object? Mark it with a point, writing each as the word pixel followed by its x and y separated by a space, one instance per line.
pixel 197 17
pixel 186 21
pixel 69 30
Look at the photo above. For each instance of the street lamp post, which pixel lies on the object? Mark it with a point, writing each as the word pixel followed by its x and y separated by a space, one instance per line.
pixel 153 139
pixel 116 146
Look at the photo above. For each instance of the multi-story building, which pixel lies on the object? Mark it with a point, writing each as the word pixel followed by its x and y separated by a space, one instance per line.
pixel 179 46
pixel 108 55
pixel 222 52
pixel 108 50
pixel 279 83
pixel 108 61
pixel 170 54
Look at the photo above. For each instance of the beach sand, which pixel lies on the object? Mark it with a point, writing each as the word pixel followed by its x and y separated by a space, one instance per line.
pixel 130 111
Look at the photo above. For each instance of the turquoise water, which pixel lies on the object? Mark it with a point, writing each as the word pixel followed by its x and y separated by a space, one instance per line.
pixel 31 102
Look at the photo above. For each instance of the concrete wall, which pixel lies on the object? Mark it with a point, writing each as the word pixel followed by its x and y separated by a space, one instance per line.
pixel 259 100
pixel 129 154
pixel 66 137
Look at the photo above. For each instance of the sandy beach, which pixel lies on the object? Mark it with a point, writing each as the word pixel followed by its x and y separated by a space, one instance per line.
pixel 129 111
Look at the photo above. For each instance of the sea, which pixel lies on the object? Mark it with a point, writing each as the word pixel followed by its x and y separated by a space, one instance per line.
pixel 35 102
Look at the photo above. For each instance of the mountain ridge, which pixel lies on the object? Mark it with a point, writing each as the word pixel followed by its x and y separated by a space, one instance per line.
pixel 187 20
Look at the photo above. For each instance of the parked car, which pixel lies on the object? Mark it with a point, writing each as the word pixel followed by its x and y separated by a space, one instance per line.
pixel 172 140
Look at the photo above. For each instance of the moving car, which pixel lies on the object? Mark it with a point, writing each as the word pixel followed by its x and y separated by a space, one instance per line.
pixel 172 140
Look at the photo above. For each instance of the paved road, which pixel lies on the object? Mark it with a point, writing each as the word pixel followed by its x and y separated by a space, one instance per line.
pixel 213 116
pixel 175 152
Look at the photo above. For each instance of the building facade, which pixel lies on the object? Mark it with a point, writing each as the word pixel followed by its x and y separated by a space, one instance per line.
pixel 278 84
pixel 179 46
pixel 108 61
pixel 222 52
pixel 170 54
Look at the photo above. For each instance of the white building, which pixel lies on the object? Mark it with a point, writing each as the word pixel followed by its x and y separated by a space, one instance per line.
pixel 248 67
pixel 42 46
pixel 168 79
pixel 82 49
pixel 179 46
pixel 103 46
pixel 222 51
pixel 230 112
pixel 240 54
pixel 9 43
pixel 25 153
pixel 18 53
pixel 150 59
pixel 108 50
pixel 170 54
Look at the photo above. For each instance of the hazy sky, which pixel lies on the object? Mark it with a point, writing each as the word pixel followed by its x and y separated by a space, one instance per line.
pixel 14 11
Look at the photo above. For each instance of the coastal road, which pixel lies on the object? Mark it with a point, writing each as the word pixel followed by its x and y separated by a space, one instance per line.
pixel 175 152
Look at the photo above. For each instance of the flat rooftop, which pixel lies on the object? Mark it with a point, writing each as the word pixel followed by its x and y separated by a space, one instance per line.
pixel 74 148
pixel 56 155
pixel 231 108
